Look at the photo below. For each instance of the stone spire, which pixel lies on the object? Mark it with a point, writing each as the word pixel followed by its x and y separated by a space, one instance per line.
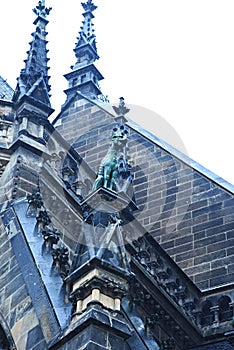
pixel 34 80
pixel 87 36
pixel 85 76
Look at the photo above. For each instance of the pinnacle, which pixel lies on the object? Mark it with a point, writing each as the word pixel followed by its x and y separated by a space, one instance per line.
pixel 87 33
pixel 85 76
pixel 36 62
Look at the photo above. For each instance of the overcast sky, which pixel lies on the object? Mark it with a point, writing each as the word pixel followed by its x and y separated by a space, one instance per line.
pixel 173 57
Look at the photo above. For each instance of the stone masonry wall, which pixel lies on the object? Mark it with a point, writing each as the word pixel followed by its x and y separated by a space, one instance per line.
pixel 94 338
pixel 15 303
pixel 191 216
pixel 83 130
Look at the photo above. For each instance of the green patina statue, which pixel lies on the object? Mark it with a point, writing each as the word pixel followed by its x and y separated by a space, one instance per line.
pixel 114 167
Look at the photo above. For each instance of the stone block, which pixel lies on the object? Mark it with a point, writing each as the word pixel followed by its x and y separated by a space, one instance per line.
pixel 221 280
pixel 218 239
pixel 207 225
pixel 221 272
pixel 222 228
pixel 35 336
pixel 220 244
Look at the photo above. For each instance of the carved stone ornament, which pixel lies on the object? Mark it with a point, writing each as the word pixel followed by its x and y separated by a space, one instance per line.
pixel 51 237
pixel 121 110
pixel 168 344
pixel 61 265
pixel 43 219
pixel 89 6
pixel 35 203
pixel 41 10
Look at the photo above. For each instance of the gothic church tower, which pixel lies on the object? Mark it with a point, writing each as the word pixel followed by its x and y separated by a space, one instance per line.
pixel 110 238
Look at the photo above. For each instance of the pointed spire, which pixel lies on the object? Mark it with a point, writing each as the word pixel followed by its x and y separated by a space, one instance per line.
pixel 84 76
pixel 34 80
pixel 87 36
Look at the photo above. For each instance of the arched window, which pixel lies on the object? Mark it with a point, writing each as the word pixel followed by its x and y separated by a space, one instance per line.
pixel 225 311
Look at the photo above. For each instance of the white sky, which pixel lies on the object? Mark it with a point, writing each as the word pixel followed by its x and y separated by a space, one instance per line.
pixel 174 57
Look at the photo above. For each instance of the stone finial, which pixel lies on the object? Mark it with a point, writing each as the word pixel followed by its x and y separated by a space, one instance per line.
pixel 41 10
pixel 121 110
pixel 89 6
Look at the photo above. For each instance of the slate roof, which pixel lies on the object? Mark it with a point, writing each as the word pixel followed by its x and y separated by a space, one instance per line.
pixel 6 92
